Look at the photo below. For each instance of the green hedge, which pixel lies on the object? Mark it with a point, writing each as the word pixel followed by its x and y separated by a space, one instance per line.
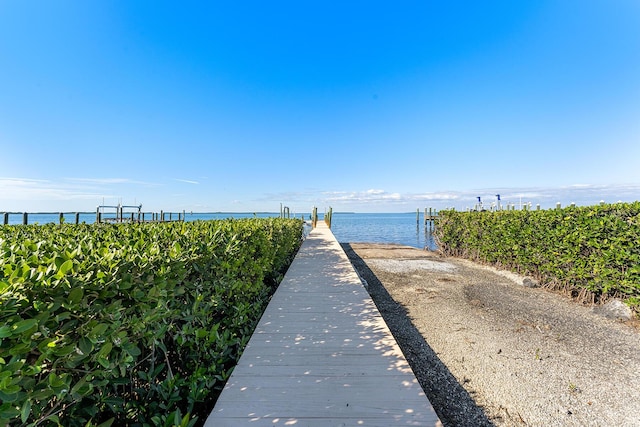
pixel 137 324
pixel 592 252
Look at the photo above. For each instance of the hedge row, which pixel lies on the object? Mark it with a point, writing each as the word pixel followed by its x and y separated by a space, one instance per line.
pixel 592 252
pixel 137 324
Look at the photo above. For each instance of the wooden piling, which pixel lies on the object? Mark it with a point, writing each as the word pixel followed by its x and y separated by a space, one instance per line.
pixel 327 217
pixel 5 220
pixel 77 218
pixel 25 218
pixel 314 217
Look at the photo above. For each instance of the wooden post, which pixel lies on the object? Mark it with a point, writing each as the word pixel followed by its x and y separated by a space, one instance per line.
pixel 418 217
pixel 61 219
pixel 98 214
pixel 314 217
pixel 131 216
pixel 538 207
pixel 77 218
pixel 25 218
pixel 558 205
pixel 5 221
pixel 161 216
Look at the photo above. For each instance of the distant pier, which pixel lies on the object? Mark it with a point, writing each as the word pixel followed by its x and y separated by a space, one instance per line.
pixel 103 214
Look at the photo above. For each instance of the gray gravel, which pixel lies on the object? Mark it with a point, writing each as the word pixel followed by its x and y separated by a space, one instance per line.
pixel 489 351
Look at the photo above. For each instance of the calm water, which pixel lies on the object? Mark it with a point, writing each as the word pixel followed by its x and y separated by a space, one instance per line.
pixel 90 217
pixel 400 228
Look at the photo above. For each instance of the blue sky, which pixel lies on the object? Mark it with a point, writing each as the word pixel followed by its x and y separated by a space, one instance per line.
pixel 363 106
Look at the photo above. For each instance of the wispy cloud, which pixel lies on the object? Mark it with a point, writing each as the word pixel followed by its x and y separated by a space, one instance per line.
pixel 108 181
pixel 188 181
pixel 368 196
pixel 379 200
pixel 36 189
pixel 67 193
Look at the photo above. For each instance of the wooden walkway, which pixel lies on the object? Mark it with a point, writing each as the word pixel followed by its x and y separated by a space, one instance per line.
pixel 322 355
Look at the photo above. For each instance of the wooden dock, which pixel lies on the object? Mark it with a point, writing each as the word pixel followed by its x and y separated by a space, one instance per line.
pixel 322 355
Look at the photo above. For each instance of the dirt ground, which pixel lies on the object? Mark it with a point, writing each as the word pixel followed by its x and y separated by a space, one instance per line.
pixel 489 350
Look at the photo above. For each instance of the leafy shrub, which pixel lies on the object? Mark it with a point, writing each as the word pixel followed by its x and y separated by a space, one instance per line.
pixel 591 252
pixel 136 324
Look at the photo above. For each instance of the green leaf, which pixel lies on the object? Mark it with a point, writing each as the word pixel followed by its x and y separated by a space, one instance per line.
pixel 85 345
pixel 65 267
pixel 76 294
pixel 25 411
pixel 99 329
pixel 105 350
pixel 107 423
pixel 132 349
pixel 24 325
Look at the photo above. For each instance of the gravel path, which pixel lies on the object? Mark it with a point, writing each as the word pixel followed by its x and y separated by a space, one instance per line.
pixel 489 351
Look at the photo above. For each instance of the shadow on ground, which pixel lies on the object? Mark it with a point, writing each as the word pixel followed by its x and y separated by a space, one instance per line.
pixel 451 401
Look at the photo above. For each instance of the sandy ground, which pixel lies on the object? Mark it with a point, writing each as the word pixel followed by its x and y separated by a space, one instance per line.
pixel 490 351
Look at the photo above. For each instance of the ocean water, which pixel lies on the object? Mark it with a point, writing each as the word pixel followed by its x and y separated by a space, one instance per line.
pixel 90 217
pixel 398 228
